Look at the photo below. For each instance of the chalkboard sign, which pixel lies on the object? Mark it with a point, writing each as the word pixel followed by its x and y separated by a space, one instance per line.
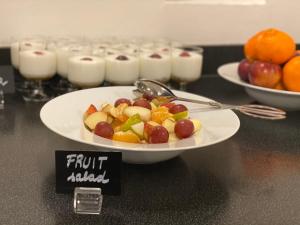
pixel 7 81
pixel 88 169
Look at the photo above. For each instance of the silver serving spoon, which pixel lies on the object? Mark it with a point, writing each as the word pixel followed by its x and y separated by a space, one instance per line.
pixel 157 89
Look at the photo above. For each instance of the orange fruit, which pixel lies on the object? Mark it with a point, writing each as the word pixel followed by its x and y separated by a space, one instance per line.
pixel 160 114
pixel 291 74
pixel 127 136
pixel 270 45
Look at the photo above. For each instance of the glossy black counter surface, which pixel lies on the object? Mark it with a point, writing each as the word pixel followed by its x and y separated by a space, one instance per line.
pixel 252 178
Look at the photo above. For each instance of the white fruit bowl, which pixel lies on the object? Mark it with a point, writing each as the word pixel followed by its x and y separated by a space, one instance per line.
pixel 63 115
pixel 286 100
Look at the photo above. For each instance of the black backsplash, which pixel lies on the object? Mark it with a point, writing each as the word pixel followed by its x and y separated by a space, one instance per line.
pixel 213 57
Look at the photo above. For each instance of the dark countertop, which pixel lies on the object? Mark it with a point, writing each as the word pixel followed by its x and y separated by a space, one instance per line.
pixel 252 178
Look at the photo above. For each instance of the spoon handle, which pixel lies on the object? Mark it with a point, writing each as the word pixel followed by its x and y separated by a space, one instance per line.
pixel 209 103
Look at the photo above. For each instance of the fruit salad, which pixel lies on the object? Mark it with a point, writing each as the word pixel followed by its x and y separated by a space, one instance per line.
pixel 143 120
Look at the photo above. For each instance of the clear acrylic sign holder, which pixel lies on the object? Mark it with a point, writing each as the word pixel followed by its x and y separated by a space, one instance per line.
pixel 87 200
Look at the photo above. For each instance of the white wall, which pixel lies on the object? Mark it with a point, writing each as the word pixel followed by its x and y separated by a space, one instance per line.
pixel 191 23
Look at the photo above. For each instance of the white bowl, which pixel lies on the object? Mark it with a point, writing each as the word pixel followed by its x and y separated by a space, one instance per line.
pixel 63 115
pixel 286 100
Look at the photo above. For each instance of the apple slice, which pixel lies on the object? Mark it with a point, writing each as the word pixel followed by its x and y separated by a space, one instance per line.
pixel 144 113
pixel 106 107
pixel 92 109
pixel 197 125
pixel 110 119
pixel 92 120
pixel 138 128
pixel 173 137
pixel 118 112
pixel 169 124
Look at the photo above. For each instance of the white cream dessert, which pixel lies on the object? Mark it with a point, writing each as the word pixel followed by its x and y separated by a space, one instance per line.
pixel 86 71
pixel 51 46
pixel 32 45
pixel 186 66
pixel 64 53
pixel 37 64
pixel 16 47
pixel 155 66
pixel 14 54
pixel 122 69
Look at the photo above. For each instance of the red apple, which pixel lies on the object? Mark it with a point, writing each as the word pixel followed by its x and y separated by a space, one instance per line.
pixel 243 69
pixel 265 74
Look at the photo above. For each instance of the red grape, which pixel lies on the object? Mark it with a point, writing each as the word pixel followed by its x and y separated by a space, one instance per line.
pixel 122 100
pixel 104 129
pixel 148 97
pixel 243 69
pixel 169 105
pixel 158 134
pixel 142 103
pixel 184 128
pixel 178 108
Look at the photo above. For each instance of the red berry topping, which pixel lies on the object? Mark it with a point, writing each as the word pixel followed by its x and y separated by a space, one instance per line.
pixel 38 53
pixel 185 54
pixel 122 58
pixel 86 59
pixel 155 56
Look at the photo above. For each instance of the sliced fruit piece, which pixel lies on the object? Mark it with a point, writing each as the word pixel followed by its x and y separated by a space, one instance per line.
pixel 155 102
pixel 197 125
pixel 128 136
pixel 144 113
pixel 169 124
pixel 160 114
pixel 110 119
pixel 173 137
pixel 181 115
pixel 131 121
pixel 106 107
pixel 153 106
pixel 91 109
pixel 138 128
pixel 118 112
pixel 92 120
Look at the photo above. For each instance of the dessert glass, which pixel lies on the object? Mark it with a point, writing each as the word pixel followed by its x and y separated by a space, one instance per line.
pixel 16 46
pixel 37 66
pixel 122 67
pixel 186 65
pixel 64 51
pixel 155 64
pixel 86 71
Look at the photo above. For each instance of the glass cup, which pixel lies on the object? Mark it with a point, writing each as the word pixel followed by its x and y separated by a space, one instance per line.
pixel 37 66
pixel 186 65
pixel 122 67
pixel 155 64
pixel 64 51
pixel 34 43
pixel 86 71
